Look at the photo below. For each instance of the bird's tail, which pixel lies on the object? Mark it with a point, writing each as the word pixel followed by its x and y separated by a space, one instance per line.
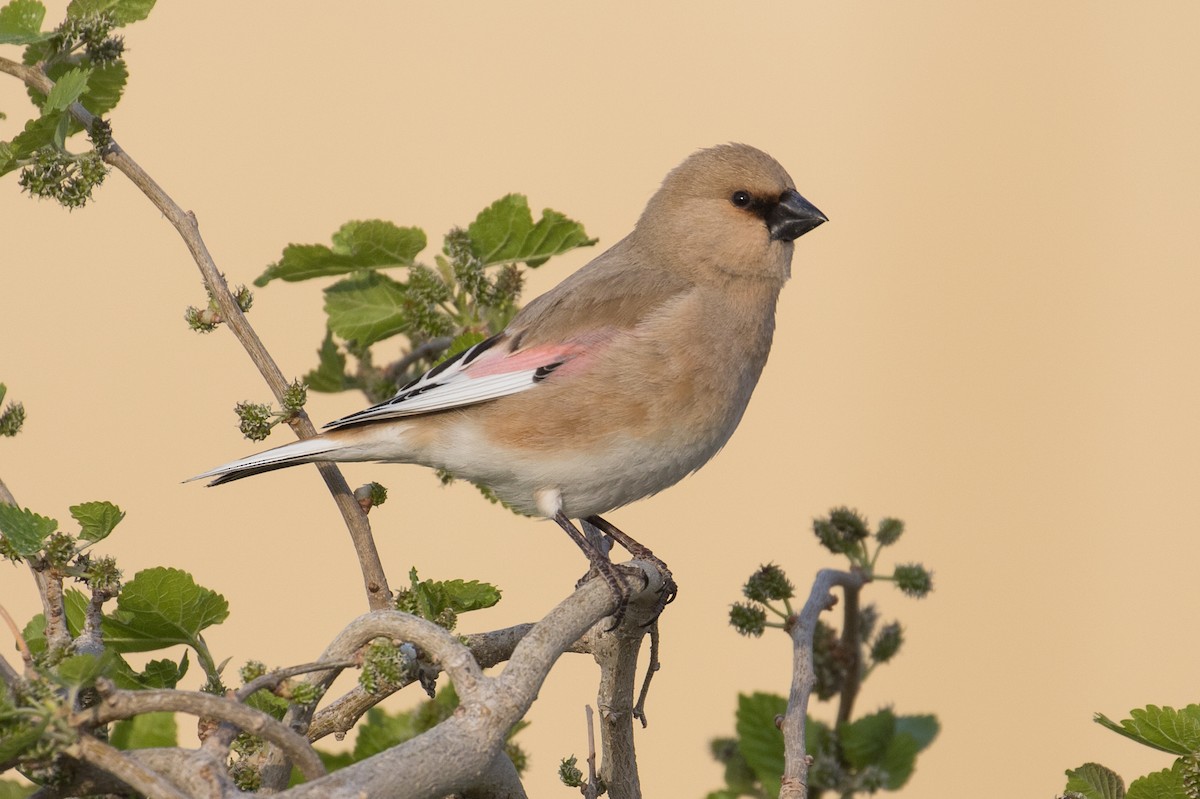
pixel 318 448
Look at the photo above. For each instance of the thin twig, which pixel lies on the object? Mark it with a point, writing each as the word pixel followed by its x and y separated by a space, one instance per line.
pixel 852 649
pixel 271 680
pixel 116 705
pixel 652 667
pixel 593 787
pixel 374 579
pixel 26 655
pixel 796 760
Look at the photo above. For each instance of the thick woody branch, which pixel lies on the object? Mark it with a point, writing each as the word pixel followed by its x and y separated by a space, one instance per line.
pixel 195 774
pixel 804 677
pixel 129 771
pixel 374 579
pixel 457 753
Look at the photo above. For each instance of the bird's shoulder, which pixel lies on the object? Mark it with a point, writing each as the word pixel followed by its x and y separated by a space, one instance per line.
pixel 619 290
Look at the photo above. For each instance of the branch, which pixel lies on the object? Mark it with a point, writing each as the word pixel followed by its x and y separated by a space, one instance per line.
pixel 500 781
pixel 459 751
pixel 803 625
pixel 196 774
pixel 116 705
pixel 341 715
pixel 374 579
pixel 129 771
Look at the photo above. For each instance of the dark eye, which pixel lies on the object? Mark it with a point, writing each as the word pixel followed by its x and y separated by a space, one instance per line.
pixel 741 199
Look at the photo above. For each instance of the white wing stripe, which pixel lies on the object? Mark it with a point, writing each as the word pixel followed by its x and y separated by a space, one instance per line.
pixel 455 392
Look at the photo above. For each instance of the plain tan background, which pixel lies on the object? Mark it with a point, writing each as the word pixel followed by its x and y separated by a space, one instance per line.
pixel 994 338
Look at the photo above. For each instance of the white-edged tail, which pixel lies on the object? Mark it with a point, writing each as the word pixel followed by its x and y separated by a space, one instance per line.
pixel 306 451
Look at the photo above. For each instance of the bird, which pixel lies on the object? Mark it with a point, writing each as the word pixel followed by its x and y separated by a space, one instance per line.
pixel 616 384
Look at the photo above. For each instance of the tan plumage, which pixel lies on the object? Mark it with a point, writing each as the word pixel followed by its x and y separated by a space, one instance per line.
pixel 650 354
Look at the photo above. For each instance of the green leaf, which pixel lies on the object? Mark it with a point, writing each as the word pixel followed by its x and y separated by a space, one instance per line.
pixel 12 790
pixel 96 519
pixel 21 22
pixel 330 375
pixel 83 670
pixel 25 530
pixel 1167 729
pixel 67 90
pixel 923 729
pixel 361 245
pixel 105 87
pixel 383 731
pixel 38 133
pixel 504 232
pixel 269 703
pixel 162 607
pixel 367 308
pixel 3 391
pixel 147 731
pixel 759 740
pixel 1165 784
pixel 123 11
pixel 899 759
pixel 865 740
pixel 15 744
pixel 1095 782
pixel 163 673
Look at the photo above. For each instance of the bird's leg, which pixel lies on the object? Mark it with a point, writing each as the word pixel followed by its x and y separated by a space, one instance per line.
pixel 600 563
pixel 669 590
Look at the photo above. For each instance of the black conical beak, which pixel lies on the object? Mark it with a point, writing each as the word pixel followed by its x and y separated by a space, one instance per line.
pixel 793 216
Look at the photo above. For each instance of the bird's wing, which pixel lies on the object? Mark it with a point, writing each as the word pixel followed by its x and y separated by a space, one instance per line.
pixel 489 370
pixel 571 323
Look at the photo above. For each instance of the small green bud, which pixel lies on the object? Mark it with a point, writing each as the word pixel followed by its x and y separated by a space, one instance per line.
pixel 370 495
pixel 305 694
pixel 447 619
pixel 887 643
pixel 58 175
pixel 831 537
pixel 914 580
pixel 246 744
pixel 749 620
pixel 889 531
pixel 202 321
pixel 294 397
pixel 849 522
pixel 11 419
pixel 59 550
pixel 252 671
pixel 103 575
pixel 101 135
pixel 384 666
pixel 244 298
pixel 106 50
pixel 245 776
pixel 569 772
pixel 768 583
pixel 255 420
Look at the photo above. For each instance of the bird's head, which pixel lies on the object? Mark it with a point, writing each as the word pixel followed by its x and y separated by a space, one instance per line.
pixel 731 209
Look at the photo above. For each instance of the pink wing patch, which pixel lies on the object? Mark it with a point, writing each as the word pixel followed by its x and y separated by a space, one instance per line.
pixel 487 371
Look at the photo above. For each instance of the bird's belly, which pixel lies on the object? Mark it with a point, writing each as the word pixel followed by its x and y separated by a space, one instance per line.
pixel 593 479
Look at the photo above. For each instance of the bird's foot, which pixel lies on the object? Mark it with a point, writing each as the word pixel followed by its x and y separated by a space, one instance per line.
pixel 669 590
